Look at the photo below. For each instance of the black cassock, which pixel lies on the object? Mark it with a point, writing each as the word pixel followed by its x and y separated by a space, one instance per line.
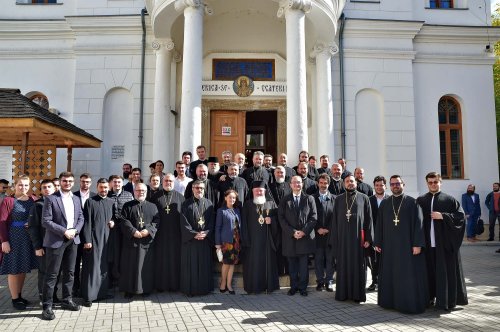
pixel 346 240
pixel 137 260
pixel 167 241
pixel 197 273
pixel 402 277
pixel 446 266
pixel 98 212
pixel 211 192
pixel 260 268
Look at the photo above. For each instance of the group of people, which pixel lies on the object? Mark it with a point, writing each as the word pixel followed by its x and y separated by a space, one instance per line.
pixel 166 235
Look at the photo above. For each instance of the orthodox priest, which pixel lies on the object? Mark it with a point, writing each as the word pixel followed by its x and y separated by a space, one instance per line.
pixel 138 223
pixel 197 230
pixel 233 181
pixel 210 191
pixel 444 227
pixel 168 237
pixel 351 234
pixel 259 235
pixel 98 214
pixel 399 239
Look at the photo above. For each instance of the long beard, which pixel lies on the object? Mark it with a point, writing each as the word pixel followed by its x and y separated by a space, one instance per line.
pixel 260 200
pixel 280 180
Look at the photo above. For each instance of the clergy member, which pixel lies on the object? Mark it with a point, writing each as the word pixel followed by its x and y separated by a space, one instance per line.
pixel 138 224
pixel 98 214
pixel 352 233
pixel 259 235
pixel 210 191
pixel 399 239
pixel 197 230
pixel 444 227
pixel 233 181
pixel 297 216
pixel 168 237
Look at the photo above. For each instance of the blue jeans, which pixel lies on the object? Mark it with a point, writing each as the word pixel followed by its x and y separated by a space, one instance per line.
pixel 324 265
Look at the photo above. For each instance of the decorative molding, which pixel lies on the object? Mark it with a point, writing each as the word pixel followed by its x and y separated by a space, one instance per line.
pixel 379 29
pixel 320 47
pixel 177 56
pixel 180 5
pixel 167 44
pixel 380 53
pixel 487 60
pixel 285 5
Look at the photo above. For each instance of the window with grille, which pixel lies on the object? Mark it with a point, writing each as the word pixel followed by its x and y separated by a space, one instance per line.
pixel 450 138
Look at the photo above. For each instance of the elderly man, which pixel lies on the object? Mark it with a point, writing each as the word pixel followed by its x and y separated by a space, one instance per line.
pixel 336 186
pixel 289 172
pixel 259 231
pixel 239 159
pixel 139 221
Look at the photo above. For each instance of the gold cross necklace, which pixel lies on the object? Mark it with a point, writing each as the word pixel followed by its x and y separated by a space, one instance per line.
pixel 396 215
pixel 349 214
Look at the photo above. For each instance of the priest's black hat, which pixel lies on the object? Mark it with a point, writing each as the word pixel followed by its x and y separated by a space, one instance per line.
pixel 213 159
pixel 258 184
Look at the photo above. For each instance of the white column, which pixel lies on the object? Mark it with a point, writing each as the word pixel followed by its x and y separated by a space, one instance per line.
pixel 325 137
pixel 296 118
pixel 190 131
pixel 162 117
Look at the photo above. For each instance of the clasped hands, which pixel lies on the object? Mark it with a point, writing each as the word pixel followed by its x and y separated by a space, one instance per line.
pixel 415 250
pixel 200 236
pixel 141 234
pixel 298 235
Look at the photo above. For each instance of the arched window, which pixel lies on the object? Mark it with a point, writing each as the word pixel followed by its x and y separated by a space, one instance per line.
pixel 450 138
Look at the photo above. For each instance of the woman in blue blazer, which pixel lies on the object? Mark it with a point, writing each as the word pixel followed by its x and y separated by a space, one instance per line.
pixel 227 238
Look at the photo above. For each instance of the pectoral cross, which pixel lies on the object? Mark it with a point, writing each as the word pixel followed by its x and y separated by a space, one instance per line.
pixel 201 222
pixel 141 222
pixel 396 221
pixel 167 209
pixel 348 215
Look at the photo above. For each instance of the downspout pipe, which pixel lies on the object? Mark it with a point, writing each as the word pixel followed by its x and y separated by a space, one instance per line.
pixel 144 12
pixel 342 86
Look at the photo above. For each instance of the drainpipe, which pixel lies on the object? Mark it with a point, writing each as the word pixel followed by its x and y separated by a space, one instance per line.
pixel 342 87
pixel 141 111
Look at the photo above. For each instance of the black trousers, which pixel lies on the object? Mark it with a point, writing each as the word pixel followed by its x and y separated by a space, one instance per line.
pixel 62 258
pixel 42 268
pixel 324 265
pixel 78 263
pixel 493 218
pixel 372 262
pixel 431 272
pixel 299 273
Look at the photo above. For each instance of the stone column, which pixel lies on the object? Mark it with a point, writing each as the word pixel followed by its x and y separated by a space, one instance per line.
pixel 325 137
pixel 294 13
pixel 162 117
pixel 190 126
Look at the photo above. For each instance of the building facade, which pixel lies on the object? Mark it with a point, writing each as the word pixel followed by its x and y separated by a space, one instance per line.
pixel 394 86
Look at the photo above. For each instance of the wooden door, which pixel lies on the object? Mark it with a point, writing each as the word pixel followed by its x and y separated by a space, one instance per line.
pixel 227 132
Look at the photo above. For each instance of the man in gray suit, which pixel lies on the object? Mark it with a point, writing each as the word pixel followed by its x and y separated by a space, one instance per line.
pixel 62 218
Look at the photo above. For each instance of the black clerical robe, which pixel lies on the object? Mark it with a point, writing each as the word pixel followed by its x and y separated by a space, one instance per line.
pixel 364 188
pixel 259 241
pixel 137 260
pixel 336 187
pixel 402 278
pixel 238 184
pixel 252 174
pixel 197 274
pixel 346 238
pixel 444 265
pixel 211 193
pixel 167 242
pixel 98 211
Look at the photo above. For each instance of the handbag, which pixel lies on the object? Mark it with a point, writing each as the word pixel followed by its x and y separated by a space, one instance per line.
pixel 219 254
pixel 480 226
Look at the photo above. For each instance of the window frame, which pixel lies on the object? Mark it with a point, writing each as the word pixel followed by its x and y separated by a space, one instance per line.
pixel 447 128
pixel 438 4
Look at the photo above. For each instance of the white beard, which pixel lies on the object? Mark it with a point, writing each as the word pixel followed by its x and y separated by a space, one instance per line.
pixel 259 200
pixel 280 180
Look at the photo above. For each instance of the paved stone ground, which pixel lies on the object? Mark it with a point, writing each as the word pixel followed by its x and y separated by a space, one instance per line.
pixel 274 312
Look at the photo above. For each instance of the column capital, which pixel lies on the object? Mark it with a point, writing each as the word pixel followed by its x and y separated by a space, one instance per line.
pixel 285 5
pixel 324 48
pixel 180 5
pixel 177 56
pixel 166 44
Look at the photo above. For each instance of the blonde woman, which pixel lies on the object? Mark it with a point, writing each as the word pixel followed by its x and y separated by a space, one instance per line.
pixel 19 255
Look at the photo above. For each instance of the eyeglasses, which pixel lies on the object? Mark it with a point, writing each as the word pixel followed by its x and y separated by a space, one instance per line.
pixel 396 184
pixel 433 182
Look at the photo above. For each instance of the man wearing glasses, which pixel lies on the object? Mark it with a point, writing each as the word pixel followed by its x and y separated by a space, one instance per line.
pixel 399 239
pixel 444 227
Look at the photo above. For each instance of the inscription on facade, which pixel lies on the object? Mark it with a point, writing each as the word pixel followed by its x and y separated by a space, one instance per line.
pixel 260 88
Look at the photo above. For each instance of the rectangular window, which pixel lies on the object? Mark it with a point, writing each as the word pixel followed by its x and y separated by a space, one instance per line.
pixel 441 4
pixel 43 1
pixel 256 69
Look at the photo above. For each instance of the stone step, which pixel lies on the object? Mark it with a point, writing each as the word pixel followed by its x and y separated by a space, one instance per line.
pixel 238 279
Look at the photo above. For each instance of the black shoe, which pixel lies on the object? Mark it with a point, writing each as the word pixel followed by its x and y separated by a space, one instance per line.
pixel 490 239
pixel 292 291
pixel 55 299
pixel 145 294
pixel 231 291
pixel 223 290
pixel 372 287
pixel 70 305
pixel 26 302
pixel 319 287
pixel 497 251
pixel 18 304
pixel 48 314
pixel 128 296
pixel 303 292
pixel 87 304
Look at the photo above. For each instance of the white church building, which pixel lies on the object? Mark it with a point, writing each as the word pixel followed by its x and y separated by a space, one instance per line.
pixel 394 86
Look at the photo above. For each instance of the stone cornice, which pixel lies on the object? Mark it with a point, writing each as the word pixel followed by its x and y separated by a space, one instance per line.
pixel 382 28
pixel 38 30
pixel 455 59
pixel 32 54
pixel 106 25
pixel 380 53
pixel 457 34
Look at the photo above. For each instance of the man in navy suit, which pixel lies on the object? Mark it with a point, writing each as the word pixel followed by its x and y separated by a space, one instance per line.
pixel 472 209
pixel 62 218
